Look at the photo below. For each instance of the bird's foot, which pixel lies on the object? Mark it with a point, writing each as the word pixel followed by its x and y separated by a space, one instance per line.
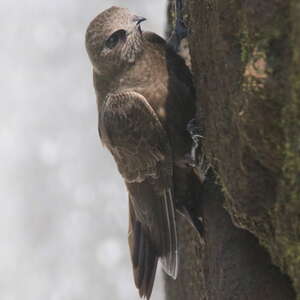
pixel 197 159
pixel 202 168
pixel 180 31
pixel 194 130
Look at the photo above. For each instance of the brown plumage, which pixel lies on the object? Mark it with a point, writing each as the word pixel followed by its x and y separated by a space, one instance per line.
pixel 145 99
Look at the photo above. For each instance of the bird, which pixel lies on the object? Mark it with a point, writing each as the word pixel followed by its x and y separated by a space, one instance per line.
pixel 145 99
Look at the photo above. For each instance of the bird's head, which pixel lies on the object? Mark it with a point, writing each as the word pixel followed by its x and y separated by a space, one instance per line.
pixel 114 38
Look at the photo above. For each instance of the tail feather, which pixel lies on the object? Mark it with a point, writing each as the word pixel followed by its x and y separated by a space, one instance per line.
pixel 169 257
pixel 143 255
pixel 148 272
pixel 152 233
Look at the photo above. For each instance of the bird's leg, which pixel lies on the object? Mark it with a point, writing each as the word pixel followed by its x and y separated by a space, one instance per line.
pixel 195 132
pixel 197 159
pixel 180 31
pixel 180 27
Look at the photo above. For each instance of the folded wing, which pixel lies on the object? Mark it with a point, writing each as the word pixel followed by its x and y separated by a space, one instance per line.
pixel 131 130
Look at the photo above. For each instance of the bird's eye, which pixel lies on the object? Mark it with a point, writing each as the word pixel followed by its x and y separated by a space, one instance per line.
pixel 113 40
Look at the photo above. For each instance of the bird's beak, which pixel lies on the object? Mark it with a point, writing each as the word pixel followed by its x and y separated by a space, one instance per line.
pixel 138 20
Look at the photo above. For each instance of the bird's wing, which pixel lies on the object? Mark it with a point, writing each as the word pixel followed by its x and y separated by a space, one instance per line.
pixel 131 130
pixel 133 133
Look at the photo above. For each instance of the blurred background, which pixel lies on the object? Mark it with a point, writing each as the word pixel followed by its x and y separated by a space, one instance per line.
pixel 63 216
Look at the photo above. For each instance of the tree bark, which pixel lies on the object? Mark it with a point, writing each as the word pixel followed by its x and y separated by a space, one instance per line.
pixel 246 66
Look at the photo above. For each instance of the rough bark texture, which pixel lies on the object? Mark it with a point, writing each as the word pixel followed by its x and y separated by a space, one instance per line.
pixel 245 60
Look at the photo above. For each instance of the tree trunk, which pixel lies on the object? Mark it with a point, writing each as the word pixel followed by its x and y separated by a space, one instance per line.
pixel 245 62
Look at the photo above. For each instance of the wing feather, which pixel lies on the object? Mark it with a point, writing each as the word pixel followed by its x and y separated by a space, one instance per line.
pixel 131 130
pixel 133 133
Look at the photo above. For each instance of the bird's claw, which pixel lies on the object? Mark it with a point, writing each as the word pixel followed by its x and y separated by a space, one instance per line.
pixel 193 127
pixel 180 31
pixel 202 168
pixel 197 159
pixel 195 132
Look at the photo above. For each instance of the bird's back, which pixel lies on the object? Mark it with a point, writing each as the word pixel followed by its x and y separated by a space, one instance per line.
pixel 163 78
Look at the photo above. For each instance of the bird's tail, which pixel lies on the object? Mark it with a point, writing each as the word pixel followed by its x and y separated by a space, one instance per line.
pixel 152 233
pixel 143 256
